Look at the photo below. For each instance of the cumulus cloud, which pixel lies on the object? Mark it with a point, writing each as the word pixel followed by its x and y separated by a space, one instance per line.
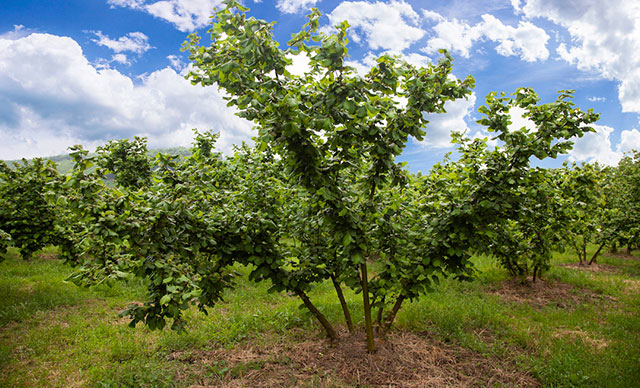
pixel 51 97
pixel 389 26
pixel 629 141
pixel 605 37
pixel 300 64
pixel 441 125
pixel 136 42
pixel 595 146
pixel 518 120
pixel 295 6
pixel 185 15
pixel 526 40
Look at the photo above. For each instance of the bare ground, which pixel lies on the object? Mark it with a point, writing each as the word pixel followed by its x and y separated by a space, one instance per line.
pixel 595 267
pixel 622 255
pixel 546 293
pixel 403 359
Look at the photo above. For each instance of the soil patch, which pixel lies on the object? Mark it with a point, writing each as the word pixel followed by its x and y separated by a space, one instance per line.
pixel 545 293
pixel 403 359
pixel 595 267
pixel 622 255
pixel 47 256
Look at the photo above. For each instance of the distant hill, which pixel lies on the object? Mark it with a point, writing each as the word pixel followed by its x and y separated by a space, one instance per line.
pixel 64 163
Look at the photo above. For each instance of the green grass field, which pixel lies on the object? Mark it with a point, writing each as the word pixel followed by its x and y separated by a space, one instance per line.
pixel 576 328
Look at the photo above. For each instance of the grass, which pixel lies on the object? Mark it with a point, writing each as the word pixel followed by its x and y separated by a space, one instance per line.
pixel 53 333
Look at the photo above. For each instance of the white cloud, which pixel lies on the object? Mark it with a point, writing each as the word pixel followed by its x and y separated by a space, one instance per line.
pixel 596 99
pixel 434 16
pixel 360 68
pixel 121 58
pixel 136 42
pixel 629 141
pixel 18 32
pixel 416 59
pixel 51 97
pixel 177 64
pixel 595 146
pixel 526 40
pixel 389 26
pixel 518 121
pixel 295 6
pixel 185 15
pixel 452 35
pixel 441 125
pixel 605 37
pixel 300 64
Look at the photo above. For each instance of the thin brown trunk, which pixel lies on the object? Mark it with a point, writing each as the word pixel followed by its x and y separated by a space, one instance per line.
pixel 343 303
pixel 578 250
pixel 394 311
pixel 595 255
pixel 535 271
pixel 614 248
pixel 331 333
pixel 367 308
pixel 379 317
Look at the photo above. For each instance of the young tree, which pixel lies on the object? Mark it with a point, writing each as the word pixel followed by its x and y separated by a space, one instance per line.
pixel 327 122
pixel 626 181
pixel 26 218
pixel 127 160
pixel 581 188
pixel 333 202
pixel 339 134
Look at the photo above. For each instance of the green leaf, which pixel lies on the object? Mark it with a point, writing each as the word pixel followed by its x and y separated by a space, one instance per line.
pixel 165 300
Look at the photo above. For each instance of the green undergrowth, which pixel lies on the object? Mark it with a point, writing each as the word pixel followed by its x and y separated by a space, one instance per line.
pixel 53 333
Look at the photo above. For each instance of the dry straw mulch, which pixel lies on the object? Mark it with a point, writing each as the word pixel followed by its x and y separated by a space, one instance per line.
pixel 546 293
pixel 403 359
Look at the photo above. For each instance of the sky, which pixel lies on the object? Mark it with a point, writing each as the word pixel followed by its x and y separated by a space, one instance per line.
pixel 89 71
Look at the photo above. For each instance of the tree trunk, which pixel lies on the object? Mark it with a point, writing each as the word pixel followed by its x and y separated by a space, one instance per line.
pixel 343 303
pixel 394 311
pixel 578 250
pixel 595 255
pixel 331 333
pixel 367 308
pixel 379 317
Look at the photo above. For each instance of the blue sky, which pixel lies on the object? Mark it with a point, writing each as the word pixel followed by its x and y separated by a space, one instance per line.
pixel 87 71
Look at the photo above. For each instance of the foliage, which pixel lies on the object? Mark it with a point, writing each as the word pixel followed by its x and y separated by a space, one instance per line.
pixel 320 196
pixel 524 242
pixel 27 220
pixel 584 201
pixel 624 196
pixel 338 134
pixel 5 242
pixel 491 200
pixel 127 160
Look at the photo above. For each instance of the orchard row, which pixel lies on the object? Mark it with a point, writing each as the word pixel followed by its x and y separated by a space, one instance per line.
pixel 320 196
